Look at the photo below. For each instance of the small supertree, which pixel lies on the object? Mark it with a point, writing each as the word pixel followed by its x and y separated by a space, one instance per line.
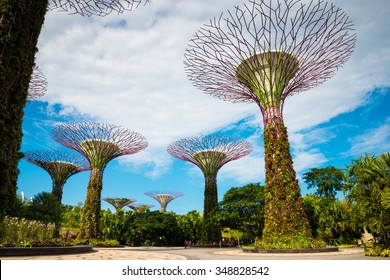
pixel 59 164
pixel 264 52
pixel 38 84
pixel 164 198
pixel 95 7
pixel 140 207
pixel 119 203
pixel 209 153
pixel 99 143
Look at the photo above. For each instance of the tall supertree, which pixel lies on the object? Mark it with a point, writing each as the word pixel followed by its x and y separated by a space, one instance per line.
pixel 119 203
pixel 59 164
pixel 140 207
pixel 209 153
pixel 164 198
pixel 264 52
pixel 21 22
pixel 99 143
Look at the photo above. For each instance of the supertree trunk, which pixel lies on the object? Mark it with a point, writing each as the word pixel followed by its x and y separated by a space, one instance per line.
pixel 209 231
pixel 20 26
pixel 90 218
pixel 284 215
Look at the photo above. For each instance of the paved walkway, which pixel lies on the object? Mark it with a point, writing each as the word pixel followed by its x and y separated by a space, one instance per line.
pixel 176 253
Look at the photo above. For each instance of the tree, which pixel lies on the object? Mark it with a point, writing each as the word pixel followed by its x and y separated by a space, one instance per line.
pixel 151 229
pixel 59 164
pixel 20 25
pixel 46 208
pixel 243 209
pixel 191 226
pixel 209 153
pixel 368 186
pixel 164 198
pixel 327 181
pixel 99 143
pixel 264 52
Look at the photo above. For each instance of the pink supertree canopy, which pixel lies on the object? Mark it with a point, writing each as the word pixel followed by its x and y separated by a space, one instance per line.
pixel 95 7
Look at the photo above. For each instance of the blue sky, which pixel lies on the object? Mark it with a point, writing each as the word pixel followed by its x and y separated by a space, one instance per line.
pixel 128 70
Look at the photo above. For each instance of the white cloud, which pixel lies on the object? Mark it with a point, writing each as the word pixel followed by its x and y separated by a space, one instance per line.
pixel 128 70
pixel 371 141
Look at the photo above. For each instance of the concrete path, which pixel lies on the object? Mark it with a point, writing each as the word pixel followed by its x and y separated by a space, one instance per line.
pixel 179 253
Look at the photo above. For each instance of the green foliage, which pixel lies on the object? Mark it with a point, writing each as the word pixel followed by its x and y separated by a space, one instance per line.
pixel 90 218
pixel 152 229
pixel 243 209
pixel 284 216
pixel 45 208
pixel 368 187
pixel 15 232
pixel 327 181
pixel 21 22
pixel 331 220
pixel 191 225
pixel 285 242
pixel 375 250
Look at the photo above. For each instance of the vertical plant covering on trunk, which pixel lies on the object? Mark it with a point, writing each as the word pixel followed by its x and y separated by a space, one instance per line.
pixel 60 166
pixel 264 52
pixel 209 153
pixel 99 143
pixel 20 26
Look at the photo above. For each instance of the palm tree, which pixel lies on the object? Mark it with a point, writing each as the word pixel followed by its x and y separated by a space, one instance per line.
pixel 369 178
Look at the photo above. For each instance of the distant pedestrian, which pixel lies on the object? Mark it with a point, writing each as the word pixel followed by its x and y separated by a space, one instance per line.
pixel 185 244
pixel 220 244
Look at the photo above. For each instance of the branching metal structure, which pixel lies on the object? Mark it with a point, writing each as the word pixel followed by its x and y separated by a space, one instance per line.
pixel 119 203
pixel 164 198
pixel 38 84
pixel 99 143
pixel 59 164
pixel 264 52
pixel 95 7
pixel 210 153
pixel 140 207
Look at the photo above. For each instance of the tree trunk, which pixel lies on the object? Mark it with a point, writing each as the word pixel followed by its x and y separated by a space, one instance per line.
pixel 283 213
pixel 20 26
pixel 210 231
pixel 90 219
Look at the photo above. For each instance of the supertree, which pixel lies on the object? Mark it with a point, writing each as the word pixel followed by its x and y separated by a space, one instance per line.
pixel 20 26
pixel 119 203
pixel 59 164
pixel 209 153
pixel 140 207
pixel 95 7
pixel 99 143
pixel 38 84
pixel 264 52
pixel 164 198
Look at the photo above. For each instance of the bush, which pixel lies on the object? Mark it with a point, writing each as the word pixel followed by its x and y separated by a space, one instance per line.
pixel 15 232
pixel 377 251
pixel 296 242
pixel 152 229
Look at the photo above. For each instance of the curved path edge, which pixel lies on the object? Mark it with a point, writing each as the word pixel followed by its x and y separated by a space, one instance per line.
pixel 34 251
pixel 291 251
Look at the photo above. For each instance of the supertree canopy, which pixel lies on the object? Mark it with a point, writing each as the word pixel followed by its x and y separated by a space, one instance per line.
pixel 164 198
pixel 209 153
pixel 263 52
pixel 95 7
pixel 140 207
pixel 59 164
pixel 119 203
pixel 38 84
pixel 99 143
